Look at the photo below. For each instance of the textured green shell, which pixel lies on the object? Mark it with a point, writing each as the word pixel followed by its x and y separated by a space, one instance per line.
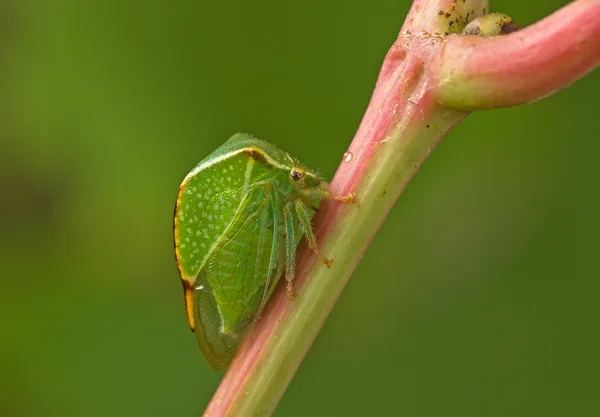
pixel 238 218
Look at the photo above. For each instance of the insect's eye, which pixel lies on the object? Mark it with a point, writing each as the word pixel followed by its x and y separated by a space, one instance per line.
pixel 296 175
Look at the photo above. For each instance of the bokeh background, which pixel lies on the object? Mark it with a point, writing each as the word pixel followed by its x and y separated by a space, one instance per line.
pixel 478 297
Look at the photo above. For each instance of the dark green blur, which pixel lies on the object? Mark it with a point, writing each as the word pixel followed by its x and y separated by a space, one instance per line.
pixel 478 297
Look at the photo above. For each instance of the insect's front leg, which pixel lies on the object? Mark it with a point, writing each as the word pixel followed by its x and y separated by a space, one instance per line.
pixel 320 194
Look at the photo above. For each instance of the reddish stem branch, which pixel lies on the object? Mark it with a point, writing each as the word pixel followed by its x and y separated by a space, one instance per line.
pixel 504 71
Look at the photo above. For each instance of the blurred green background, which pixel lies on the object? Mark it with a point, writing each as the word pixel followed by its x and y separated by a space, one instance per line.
pixel 478 297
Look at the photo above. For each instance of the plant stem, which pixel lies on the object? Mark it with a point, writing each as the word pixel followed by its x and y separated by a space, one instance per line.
pixel 402 125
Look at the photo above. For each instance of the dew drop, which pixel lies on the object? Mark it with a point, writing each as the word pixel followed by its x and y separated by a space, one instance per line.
pixel 348 156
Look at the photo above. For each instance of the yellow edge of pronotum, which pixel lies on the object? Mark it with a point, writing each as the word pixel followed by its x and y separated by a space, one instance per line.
pixel 188 292
pixel 188 289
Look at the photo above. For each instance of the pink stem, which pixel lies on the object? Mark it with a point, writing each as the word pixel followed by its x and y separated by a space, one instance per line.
pixel 402 125
pixel 475 72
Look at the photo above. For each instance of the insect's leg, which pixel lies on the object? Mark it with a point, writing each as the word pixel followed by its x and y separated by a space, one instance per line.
pixel 319 194
pixel 302 210
pixel 274 209
pixel 289 222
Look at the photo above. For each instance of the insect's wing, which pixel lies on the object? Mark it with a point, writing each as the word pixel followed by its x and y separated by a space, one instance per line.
pixel 219 349
pixel 238 278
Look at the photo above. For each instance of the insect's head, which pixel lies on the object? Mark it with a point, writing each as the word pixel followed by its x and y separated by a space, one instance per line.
pixel 301 176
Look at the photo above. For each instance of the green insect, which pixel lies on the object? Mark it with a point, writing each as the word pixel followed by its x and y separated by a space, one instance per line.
pixel 239 216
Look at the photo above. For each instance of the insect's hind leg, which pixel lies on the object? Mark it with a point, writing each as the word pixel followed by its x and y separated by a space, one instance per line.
pixel 303 213
pixel 289 222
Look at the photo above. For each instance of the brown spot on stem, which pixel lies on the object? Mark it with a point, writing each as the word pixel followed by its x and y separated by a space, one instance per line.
pixel 508 27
